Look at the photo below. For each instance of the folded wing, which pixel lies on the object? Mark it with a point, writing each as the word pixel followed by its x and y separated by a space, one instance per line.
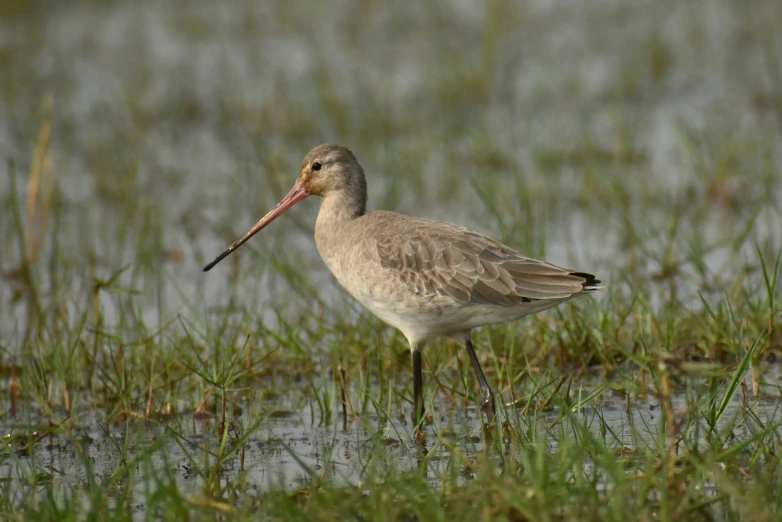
pixel 472 268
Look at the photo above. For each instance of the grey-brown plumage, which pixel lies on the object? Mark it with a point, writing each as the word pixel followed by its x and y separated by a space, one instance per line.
pixel 427 278
pixel 469 267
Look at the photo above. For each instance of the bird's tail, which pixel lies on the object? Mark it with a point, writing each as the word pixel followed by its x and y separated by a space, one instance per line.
pixel 591 283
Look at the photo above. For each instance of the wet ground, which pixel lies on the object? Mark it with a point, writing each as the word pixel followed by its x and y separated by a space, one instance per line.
pixel 294 448
pixel 147 136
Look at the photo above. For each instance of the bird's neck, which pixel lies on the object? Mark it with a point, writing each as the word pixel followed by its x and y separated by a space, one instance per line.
pixel 332 228
pixel 340 207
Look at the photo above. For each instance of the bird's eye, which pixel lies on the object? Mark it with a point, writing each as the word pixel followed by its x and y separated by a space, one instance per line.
pixel 316 166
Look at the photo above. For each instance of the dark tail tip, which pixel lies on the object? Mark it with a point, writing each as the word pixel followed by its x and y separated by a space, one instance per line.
pixel 591 283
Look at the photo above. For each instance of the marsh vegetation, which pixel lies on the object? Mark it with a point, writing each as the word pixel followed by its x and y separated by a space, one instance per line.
pixel 641 142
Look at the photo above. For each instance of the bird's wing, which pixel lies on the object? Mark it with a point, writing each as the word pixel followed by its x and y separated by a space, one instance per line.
pixel 472 268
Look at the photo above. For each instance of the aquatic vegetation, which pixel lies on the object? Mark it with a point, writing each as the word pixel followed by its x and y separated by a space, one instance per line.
pixel 139 138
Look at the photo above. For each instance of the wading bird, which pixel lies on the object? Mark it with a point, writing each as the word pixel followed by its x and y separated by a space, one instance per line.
pixel 426 278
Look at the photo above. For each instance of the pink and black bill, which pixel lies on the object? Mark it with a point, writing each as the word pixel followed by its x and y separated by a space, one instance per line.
pixel 296 194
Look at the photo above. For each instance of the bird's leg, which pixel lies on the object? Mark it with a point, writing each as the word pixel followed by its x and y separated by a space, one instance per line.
pixel 418 399
pixel 487 399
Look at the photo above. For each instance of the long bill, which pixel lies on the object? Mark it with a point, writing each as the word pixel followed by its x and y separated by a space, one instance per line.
pixel 296 194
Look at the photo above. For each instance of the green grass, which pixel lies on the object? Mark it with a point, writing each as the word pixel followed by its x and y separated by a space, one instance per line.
pixel 133 386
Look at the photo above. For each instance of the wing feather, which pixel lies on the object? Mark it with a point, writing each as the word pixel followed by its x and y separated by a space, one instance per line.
pixel 446 260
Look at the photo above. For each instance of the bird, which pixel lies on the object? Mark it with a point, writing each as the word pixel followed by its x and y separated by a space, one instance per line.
pixel 426 278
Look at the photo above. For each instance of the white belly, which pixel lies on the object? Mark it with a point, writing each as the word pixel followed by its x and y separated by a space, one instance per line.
pixel 443 316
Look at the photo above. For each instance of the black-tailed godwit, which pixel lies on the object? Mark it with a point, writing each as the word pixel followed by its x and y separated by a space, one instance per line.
pixel 426 278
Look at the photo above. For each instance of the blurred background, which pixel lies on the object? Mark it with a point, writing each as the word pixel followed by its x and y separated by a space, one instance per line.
pixel 138 139
pixel 639 140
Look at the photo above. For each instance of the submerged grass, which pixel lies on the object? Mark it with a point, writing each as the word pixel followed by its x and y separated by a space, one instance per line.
pixel 132 387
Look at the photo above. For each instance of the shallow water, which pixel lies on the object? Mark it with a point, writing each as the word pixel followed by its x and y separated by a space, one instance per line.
pixel 292 449
pixel 173 128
